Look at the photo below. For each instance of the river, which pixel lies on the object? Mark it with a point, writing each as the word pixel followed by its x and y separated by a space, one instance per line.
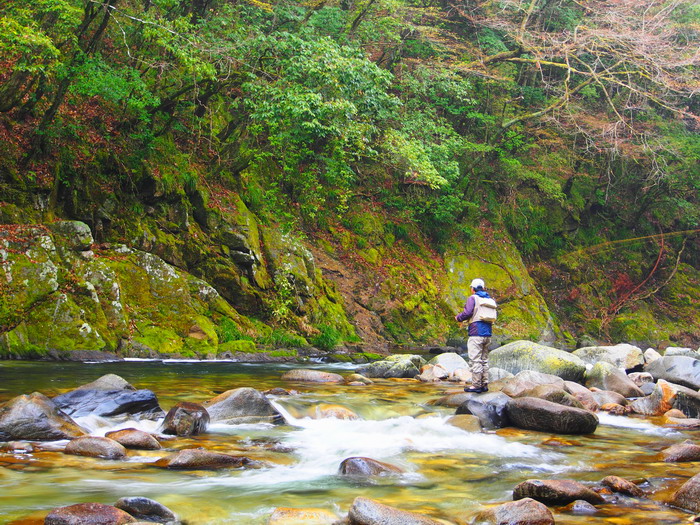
pixel 449 473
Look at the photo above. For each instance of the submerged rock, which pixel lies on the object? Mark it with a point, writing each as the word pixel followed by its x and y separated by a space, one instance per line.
pixel 324 411
pixel 365 511
pixel 366 467
pixel 242 405
pixel 88 514
pixel 139 404
pixel 537 414
pixel 623 486
pixel 525 511
pixel 290 516
pixel 96 447
pixel 466 422
pixel 197 459
pixel 394 366
pixel 312 376
pixel 686 451
pixel 146 509
pixel 526 355
pixel 556 491
pixel 134 438
pixel 186 419
pixel 35 417
pixel 581 507
pixel 606 376
pixel 688 496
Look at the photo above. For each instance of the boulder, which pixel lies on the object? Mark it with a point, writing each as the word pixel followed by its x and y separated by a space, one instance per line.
pixel 667 396
pixel 95 447
pixel 606 376
pixel 185 419
pixel 312 376
pixel 641 378
pixel 606 397
pixel 242 405
pixel 35 417
pixel 580 507
pixel 88 514
pixel 430 373
pixel 682 424
pixel 583 395
pixel 290 516
pixel 394 366
pixel 526 355
pixel 686 451
pixel 365 511
pixel 135 439
pixel 555 491
pixel 138 404
pixel 525 511
pixel 553 393
pixel 617 410
pixel 452 400
pixel 622 486
pixel 108 382
pixel 449 361
pixel 366 467
pixel 527 380
pixel 688 496
pixel 537 414
pixel 198 459
pixel 358 378
pixel 324 411
pixel 146 509
pixel 466 422
pixel 496 374
pixel 651 355
pixel 491 409
pixel 681 370
pixel 677 350
pixel 622 356
pixel 78 235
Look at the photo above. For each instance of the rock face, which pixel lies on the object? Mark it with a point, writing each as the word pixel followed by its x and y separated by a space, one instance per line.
pixel 394 366
pixel 526 355
pixel 35 417
pixel 197 459
pixel 688 496
pixel 622 356
pixel 312 376
pixel 88 514
pixel 556 491
pixel 681 370
pixel 139 404
pixel 525 511
pixel 606 376
pixel 366 467
pixel 186 419
pixel 133 438
pixel 536 414
pixel 242 405
pixel 95 447
pixel 491 409
pixel 365 511
pixel 146 509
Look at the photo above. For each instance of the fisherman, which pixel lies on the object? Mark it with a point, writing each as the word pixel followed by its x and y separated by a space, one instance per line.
pixel 480 311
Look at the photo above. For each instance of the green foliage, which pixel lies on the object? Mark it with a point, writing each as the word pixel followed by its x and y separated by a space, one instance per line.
pixel 327 338
pixel 229 331
pixel 284 339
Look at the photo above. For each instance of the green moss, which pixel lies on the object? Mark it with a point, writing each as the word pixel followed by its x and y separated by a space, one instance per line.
pixel 341 358
pixel 160 339
pixel 285 352
pixel 243 345
pixel 369 356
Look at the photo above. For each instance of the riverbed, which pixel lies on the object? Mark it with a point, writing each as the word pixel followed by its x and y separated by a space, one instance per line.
pixel 448 473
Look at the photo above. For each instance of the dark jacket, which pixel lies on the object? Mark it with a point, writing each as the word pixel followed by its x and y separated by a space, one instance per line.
pixel 479 328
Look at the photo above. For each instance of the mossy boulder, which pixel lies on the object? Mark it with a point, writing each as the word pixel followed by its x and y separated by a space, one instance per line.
pixel 394 366
pixel 624 356
pixel 526 355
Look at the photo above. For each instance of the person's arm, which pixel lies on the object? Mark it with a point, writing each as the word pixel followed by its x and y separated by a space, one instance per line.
pixel 468 310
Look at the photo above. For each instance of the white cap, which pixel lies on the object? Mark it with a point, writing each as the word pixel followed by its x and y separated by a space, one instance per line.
pixel 477 282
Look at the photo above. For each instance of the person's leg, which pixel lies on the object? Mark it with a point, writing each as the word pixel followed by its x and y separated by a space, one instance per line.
pixel 484 355
pixel 476 360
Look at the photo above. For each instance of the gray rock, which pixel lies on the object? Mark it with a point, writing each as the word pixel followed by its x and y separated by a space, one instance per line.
pixel 95 447
pixel 312 376
pixel 641 378
pixel 242 405
pixel 583 395
pixel 651 355
pixel 581 507
pixel 527 380
pixel 526 355
pixel 496 374
pixel 676 350
pixel 680 370
pixel 491 409
pixel 108 382
pixel 366 467
pixel 450 361
pixel 186 419
pixel 647 388
pixel 140 404
pixel 606 397
pixel 556 491
pixel 606 376
pixel 537 414
pixel 88 514
pixel 197 459
pixel 452 400
pixel 35 417
pixel 554 394
pixel 667 396
pixel 146 509
pixel 394 366
pixel 77 233
pixel 622 356
pixel 525 511
pixel 365 511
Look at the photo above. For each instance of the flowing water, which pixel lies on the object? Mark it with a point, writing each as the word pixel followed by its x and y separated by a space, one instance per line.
pixel 448 473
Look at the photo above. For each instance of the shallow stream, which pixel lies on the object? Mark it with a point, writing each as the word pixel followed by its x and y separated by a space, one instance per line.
pixel 449 473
